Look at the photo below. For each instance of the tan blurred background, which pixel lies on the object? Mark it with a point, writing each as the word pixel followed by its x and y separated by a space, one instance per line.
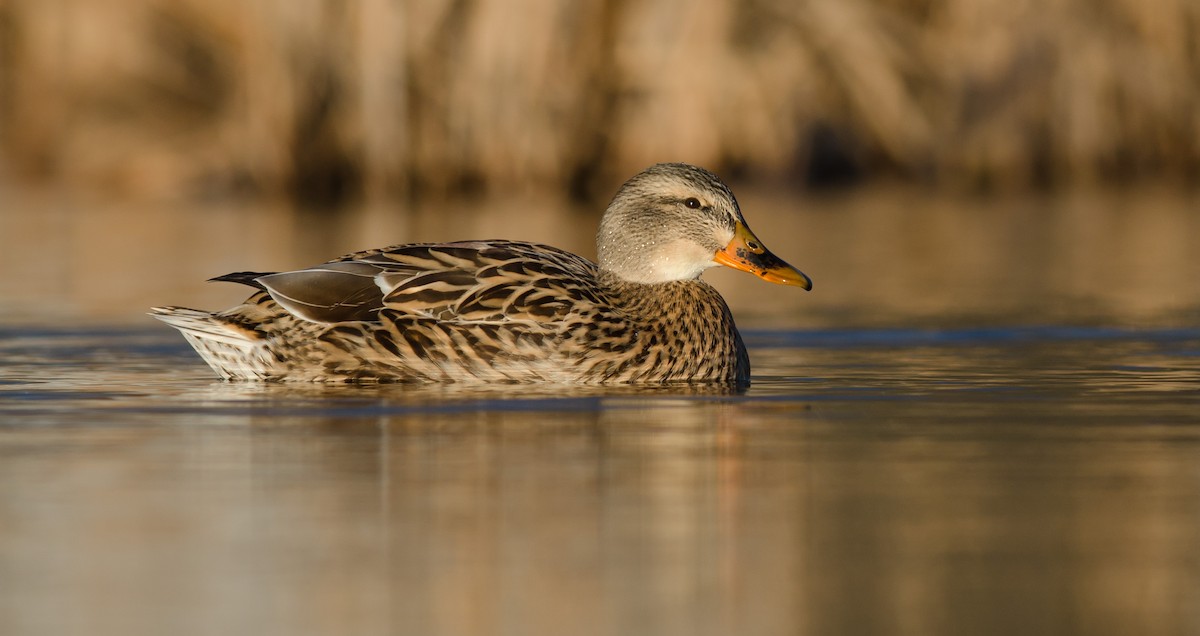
pixel 327 100
pixel 120 114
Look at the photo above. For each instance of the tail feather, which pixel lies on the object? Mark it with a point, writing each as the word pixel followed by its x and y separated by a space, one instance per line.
pixel 202 324
pixel 230 350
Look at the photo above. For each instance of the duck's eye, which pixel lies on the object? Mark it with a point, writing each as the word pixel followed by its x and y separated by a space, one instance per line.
pixel 692 202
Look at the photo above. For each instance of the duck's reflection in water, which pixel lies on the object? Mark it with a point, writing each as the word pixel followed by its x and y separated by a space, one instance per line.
pixel 546 520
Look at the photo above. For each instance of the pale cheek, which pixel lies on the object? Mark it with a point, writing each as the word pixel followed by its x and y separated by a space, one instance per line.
pixel 679 260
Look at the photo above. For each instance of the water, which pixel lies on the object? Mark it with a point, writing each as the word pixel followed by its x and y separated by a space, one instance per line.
pixel 985 481
pixel 985 419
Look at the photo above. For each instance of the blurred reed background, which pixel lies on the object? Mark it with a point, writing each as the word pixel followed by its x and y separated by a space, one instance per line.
pixel 327 102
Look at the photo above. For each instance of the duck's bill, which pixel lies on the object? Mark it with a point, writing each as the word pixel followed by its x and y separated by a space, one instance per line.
pixel 746 253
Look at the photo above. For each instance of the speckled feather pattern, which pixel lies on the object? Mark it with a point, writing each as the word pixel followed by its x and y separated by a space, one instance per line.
pixel 490 311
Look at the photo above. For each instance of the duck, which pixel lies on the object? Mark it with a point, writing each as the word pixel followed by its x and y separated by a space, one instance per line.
pixel 510 311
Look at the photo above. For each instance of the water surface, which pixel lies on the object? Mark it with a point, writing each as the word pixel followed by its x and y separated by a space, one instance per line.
pixel 1038 480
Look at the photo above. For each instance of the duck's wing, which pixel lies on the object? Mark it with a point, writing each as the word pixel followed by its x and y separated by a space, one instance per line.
pixel 333 292
pixel 477 281
pixel 489 281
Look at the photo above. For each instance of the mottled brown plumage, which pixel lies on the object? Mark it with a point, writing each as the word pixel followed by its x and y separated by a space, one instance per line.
pixel 508 311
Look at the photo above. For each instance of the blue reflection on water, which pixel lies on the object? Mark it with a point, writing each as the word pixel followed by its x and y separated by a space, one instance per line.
pixel 908 337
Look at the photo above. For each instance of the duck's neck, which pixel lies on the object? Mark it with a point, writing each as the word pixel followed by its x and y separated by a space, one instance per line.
pixel 688 319
pixel 637 296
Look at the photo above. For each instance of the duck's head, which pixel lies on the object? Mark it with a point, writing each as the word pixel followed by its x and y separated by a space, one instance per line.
pixel 672 221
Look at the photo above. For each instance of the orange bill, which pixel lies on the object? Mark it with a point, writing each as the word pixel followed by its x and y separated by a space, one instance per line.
pixel 747 253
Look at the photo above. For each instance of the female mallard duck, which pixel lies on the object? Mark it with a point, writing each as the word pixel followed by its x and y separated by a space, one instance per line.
pixel 510 311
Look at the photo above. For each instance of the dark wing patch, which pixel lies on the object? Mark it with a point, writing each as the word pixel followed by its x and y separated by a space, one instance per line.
pixel 334 292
